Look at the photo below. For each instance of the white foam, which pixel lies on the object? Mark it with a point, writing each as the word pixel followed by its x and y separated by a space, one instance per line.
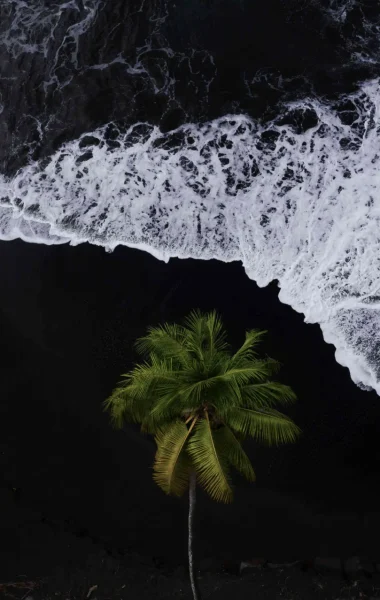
pixel 303 208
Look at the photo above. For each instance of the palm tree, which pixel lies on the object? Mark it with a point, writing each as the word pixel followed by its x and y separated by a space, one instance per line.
pixel 200 400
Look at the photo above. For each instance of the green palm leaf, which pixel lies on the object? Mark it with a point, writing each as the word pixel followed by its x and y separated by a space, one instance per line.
pixel 195 325
pixel 246 351
pixel 211 467
pixel 231 380
pixel 126 403
pixel 171 466
pixel 270 393
pixel 242 375
pixel 166 342
pixel 228 445
pixel 216 335
pixel 266 426
pixel 146 377
pixel 116 404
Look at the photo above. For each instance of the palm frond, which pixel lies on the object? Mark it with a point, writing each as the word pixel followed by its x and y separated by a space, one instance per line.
pixel 166 342
pixel 232 379
pixel 187 389
pixel 148 375
pixel 273 366
pixel 137 394
pixel 228 444
pixel 195 333
pixel 224 395
pixel 159 415
pixel 256 370
pixel 124 404
pixel 266 426
pixel 211 468
pixel 166 403
pixel 247 349
pixel 171 465
pixel 116 404
pixel 268 394
pixel 215 333
pixel 189 393
pixel 148 378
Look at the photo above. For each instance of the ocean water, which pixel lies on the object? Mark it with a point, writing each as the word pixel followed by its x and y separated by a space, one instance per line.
pixel 205 129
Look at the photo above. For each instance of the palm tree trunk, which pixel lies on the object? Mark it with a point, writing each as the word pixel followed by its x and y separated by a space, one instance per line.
pixel 192 486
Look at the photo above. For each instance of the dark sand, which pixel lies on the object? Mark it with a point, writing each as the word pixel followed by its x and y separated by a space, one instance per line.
pixel 68 319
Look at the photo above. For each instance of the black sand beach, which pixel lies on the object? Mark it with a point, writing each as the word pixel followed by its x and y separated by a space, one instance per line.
pixel 69 317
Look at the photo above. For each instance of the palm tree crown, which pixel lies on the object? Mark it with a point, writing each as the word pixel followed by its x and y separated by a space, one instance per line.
pixel 200 400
